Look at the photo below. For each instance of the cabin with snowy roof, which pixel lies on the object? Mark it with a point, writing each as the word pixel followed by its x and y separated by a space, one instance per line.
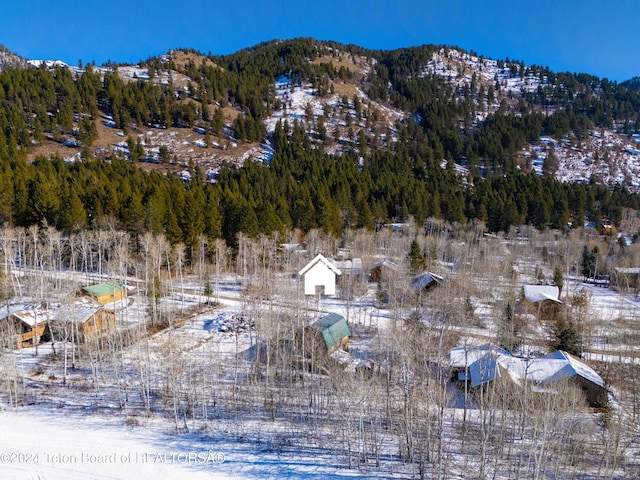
pixel 25 324
pixel 382 269
pixel 542 293
pixel 319 276
pixel 425 281
pixel 543 301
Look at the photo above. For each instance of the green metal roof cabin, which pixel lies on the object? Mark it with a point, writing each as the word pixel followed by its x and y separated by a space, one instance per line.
pixel 106 292
pixel 335 331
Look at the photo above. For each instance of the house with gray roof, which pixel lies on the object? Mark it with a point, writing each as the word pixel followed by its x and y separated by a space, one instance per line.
pixel 483 364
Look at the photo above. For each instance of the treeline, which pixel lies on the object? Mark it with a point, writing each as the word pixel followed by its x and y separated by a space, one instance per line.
pixel 302 188
pixel 36 102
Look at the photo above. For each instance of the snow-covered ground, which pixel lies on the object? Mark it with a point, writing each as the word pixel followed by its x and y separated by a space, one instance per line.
pixel 606 155
pixel 38 444
pixel 458 67
pixel 89 436
pixel 45 444
pixel 49 445
pixel 296 102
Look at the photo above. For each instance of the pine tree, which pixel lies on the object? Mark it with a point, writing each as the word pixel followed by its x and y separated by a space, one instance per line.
pixel 74 215
pixel 193 218
pixel 558 279
pixel 217 122
pixel 550 164
pixel 508 330
pixel 417 261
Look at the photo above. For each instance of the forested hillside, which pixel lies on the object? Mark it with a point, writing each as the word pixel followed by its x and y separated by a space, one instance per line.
pixel 365 172
pixel 633 83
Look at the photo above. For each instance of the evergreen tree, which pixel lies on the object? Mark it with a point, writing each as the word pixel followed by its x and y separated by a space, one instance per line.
pixel 567 339
pixel 508 330
pixel 550 164
pixel 590 260
pixel 87 132
pixel 558 279
pixel 417 261
pixel 74 215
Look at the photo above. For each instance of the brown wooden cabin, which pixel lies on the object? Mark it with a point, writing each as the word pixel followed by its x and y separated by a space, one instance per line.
pixel 381 270
pixel 425 281
pixel 84 322
pixel 25 324
pixel 543 301
pixel 105 293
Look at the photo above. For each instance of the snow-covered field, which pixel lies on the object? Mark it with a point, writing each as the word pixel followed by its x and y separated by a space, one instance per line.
pixel 40 444
pixel 46 444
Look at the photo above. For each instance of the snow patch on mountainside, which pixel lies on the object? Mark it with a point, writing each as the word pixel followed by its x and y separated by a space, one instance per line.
pixel 9 60
pixel 459 67
pixel 609 157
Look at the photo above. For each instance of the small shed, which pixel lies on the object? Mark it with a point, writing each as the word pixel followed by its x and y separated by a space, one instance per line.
pixel 107 292
pixel 381 269
pixel 324 336
pixel 626 278
pixel 425 281
pixel 319 272
pixel 27 324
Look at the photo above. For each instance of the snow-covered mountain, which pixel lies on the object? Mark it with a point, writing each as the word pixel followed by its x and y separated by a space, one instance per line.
pixel 9 59
pixel 609 155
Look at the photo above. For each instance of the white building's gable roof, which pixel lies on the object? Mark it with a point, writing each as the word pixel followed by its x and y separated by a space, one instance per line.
pixel 323 261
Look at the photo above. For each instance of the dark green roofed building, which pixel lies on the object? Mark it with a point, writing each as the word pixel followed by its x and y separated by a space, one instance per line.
pixel 334 330
pixel 106 292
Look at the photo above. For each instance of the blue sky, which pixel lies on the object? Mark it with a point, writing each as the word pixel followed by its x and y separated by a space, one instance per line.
pixel 592 36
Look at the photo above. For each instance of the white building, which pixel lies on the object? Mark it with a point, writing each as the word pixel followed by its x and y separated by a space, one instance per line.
pixel 319 272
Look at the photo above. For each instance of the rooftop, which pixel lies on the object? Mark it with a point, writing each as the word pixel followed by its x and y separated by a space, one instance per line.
pixel 101 289
pixel 333 328
pixel 483 363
